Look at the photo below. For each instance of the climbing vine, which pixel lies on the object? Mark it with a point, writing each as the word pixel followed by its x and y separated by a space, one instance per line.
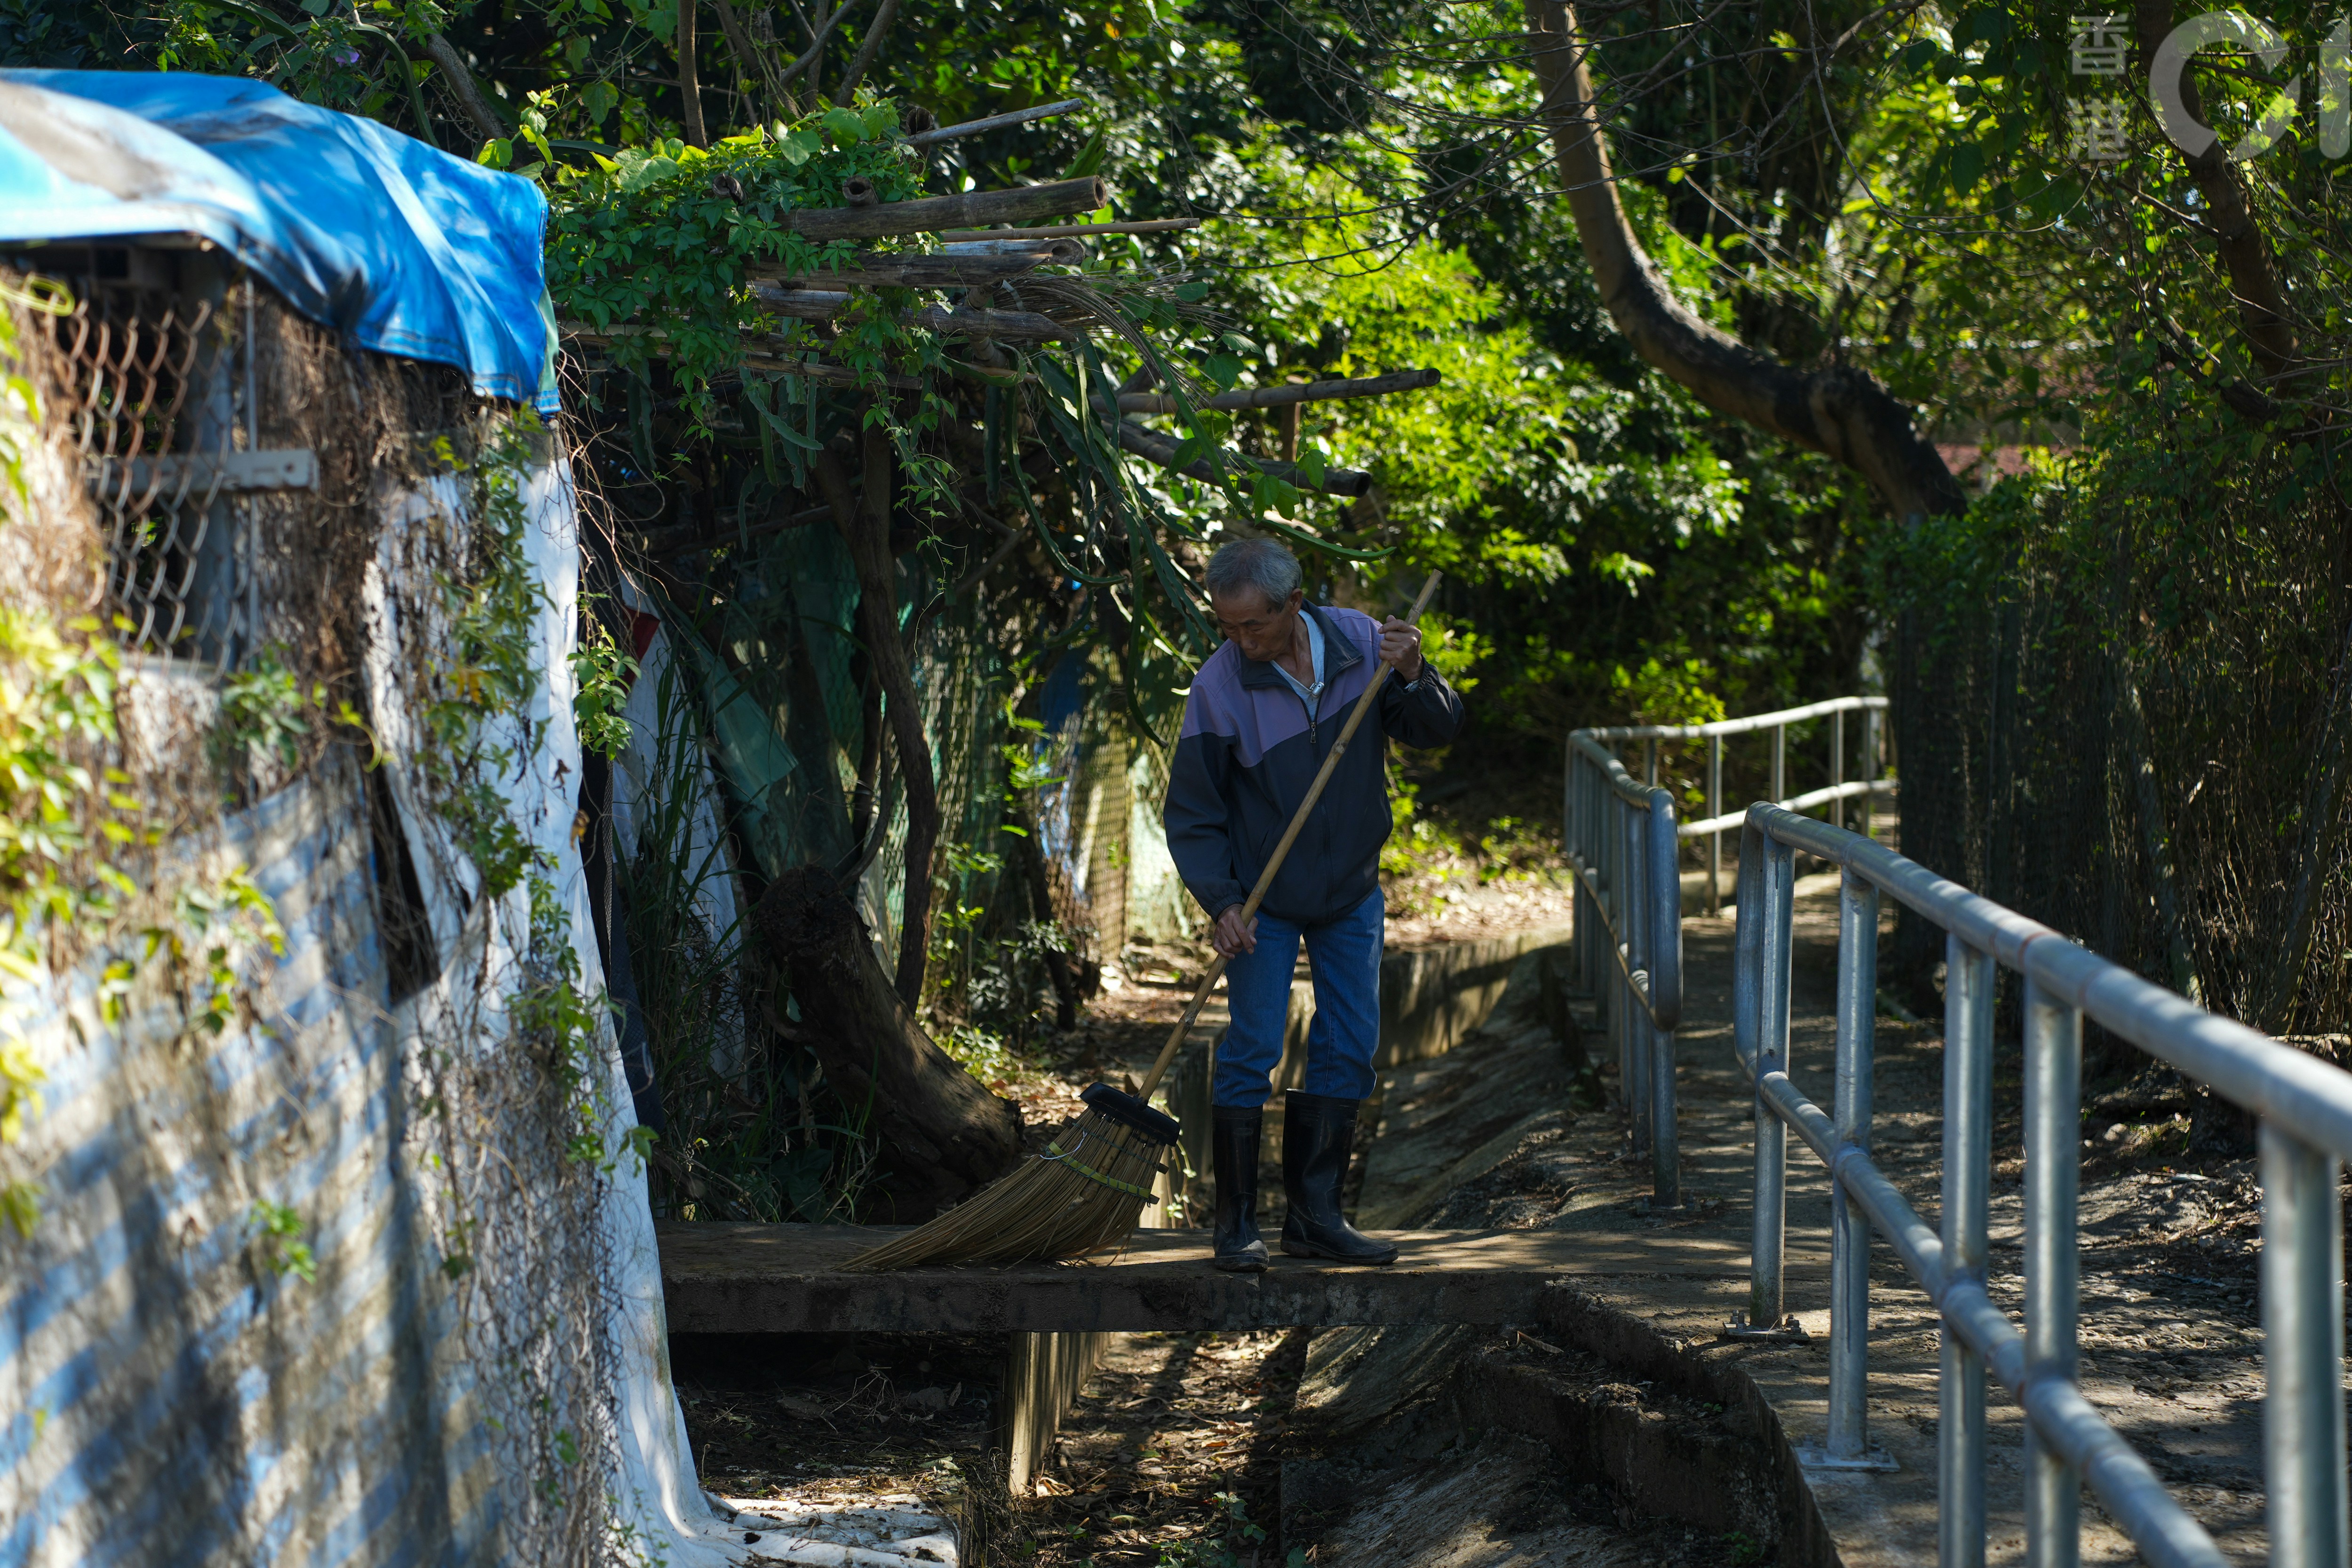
pixel 78 832
pixel 515 1055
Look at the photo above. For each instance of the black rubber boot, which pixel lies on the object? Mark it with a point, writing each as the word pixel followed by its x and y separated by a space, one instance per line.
pixel 1316 1133
pixel 1232 1158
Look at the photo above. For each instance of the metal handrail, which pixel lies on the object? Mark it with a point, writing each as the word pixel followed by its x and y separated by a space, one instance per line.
pixel 1629 891
pixel 1748 725
pixel 1621 844
pixel 1717 822
pixel 2305 1107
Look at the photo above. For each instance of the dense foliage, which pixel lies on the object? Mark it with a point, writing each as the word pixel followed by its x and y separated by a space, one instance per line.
pixel 2131 643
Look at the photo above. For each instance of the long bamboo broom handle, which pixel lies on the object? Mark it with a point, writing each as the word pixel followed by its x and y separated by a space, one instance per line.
pixel 1281 850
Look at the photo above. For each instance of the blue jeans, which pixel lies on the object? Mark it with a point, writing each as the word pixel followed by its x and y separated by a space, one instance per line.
pixel 1344 956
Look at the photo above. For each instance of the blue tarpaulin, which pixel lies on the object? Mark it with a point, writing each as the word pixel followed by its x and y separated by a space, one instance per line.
pixel 402 247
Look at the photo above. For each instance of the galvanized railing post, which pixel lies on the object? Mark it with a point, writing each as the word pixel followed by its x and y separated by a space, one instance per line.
pixel 1857 977
pixel 1837 765
pixel 1869 770
pixel 1633 922
pixel 1968 1160
pixel 1584 934
pixel 2053 1160
pixel 1664 961
pixel 1780 764
pixel 1767 915
pixel 1650 762
pixel 2307 1128
pixel 1575 847
pixel 2302 1331
pixel 1715 839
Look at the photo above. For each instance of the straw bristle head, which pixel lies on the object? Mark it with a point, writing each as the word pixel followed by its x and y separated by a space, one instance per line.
pixel 1083 1194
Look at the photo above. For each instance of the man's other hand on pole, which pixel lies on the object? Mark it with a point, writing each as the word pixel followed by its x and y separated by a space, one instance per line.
pixel 1233 936
pixel 1400 648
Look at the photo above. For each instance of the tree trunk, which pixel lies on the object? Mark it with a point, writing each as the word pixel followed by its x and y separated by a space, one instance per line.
pixel 689 86
pixel 865 525
pixel 942 1133
pixel 1842 412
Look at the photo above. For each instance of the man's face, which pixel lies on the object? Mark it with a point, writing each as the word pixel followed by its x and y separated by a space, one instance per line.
pixel 1262 631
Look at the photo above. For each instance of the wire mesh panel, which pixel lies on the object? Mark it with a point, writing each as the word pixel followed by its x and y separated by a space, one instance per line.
pixel 153 369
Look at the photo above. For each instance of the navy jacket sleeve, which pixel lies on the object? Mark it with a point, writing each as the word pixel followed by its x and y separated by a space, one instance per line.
pixel 1200 833
pixel 1429 715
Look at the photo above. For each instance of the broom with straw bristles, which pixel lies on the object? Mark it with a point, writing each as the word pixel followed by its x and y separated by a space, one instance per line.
pixel 1087 1189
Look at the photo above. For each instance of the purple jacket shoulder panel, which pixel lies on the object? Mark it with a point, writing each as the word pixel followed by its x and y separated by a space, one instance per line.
pixel 1248 752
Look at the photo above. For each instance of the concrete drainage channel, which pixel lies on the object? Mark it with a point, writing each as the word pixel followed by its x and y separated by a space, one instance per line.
pixel 1585 1438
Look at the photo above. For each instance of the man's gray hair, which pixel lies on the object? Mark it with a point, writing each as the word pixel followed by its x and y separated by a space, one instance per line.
pixel 1266 565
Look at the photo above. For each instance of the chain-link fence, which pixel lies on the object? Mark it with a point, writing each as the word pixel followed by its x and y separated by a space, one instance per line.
pixel 154 379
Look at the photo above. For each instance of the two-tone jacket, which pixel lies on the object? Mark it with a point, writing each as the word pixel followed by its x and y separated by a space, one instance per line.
pixel 1249 749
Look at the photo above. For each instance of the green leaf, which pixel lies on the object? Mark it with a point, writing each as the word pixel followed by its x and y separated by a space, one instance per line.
pixel 1312 465
pixel 1089 160
pixel 1224 370
pixel 1967 168
pixel 880 119
pixel 1273 494
pixel 785 430
pixel 845 126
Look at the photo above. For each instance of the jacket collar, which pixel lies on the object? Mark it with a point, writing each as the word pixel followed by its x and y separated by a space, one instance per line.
pixel 1338 655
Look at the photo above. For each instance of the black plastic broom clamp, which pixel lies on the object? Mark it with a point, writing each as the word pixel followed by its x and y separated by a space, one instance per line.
pixel 1123 1108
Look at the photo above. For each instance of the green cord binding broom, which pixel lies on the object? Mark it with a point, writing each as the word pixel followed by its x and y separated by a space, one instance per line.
pixel 1089 1188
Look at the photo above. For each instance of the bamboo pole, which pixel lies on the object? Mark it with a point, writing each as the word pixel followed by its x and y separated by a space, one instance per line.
pixel 1072 230
pixel 1155 447
pixel 868 270
pixel 1280 397
pixel 971 321
pixel 972 209
pixel 994 122
pixel 769 354
pixel 1012 326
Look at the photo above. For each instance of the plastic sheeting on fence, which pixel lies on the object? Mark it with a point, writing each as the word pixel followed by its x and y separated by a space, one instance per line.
pixel 167 1397
pixel 404 249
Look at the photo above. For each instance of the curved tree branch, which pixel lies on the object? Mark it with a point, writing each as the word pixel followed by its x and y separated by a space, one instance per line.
pixel 1842 412
pixel 2238 241
pixel 464 88
pixel 871 45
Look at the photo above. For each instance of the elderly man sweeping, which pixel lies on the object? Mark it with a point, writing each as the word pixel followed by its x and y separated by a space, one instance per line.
pixel 1262 717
